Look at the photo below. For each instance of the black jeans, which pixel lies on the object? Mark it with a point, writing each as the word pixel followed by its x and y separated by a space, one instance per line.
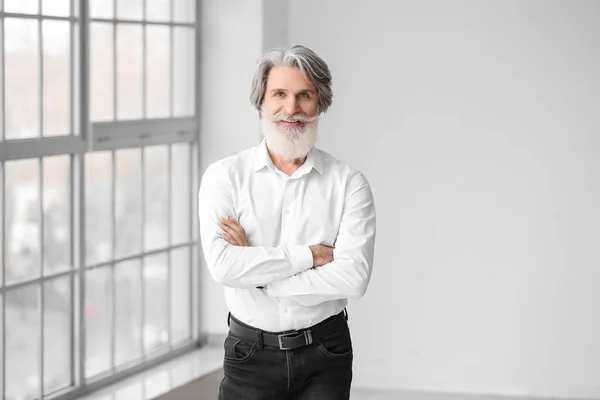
pixel 321 370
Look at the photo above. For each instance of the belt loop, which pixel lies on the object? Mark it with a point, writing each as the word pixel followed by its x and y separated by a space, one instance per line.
pixel 346 313
pixel 259 339
pixel 229 319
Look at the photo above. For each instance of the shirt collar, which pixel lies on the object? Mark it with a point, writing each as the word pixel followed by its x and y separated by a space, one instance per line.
pixel 262 159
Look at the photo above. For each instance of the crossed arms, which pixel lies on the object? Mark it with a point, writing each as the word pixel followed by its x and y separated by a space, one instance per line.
pixel 305 273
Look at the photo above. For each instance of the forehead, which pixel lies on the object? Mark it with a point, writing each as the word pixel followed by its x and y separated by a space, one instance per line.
pixel 291 78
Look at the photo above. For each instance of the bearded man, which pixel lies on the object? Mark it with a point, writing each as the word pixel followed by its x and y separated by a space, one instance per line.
pixel 289 231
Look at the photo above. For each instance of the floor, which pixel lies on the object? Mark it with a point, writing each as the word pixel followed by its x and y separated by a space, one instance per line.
pixel 196 376
pixel 165 378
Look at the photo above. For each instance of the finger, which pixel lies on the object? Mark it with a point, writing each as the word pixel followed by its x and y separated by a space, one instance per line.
pixel 233 224
pixel 229 239
pixel 234 230
pixel 232 233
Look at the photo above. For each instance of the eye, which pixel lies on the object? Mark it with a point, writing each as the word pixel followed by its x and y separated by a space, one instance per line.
pixel 304 95
pixel 279 94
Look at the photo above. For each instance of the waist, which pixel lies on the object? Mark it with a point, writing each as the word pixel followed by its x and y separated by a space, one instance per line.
pixel 257 309
pixel 288 340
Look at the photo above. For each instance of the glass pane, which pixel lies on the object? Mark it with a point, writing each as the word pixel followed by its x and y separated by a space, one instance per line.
pixel 129 71
pixel 102 72
pixel 156 179
pixel 98 206
pixel 22 78
pixel 22 219
pixel 75 125
pixel 97 321
pixel 56 7
pixel 183 10
pixel 180 193
pixel 57 198
pixel 158 70
pixel 101 8
pixel 57 334
pixel 128 308
pixel 156 333
pixel 128 203
pixel 23 343
pixel 57 85
pixel 129 9
pixel 158 10
pixel 183 74
pixel 21 6
pixel 180 294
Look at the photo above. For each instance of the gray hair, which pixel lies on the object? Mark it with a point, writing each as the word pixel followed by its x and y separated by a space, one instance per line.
pixel 311 65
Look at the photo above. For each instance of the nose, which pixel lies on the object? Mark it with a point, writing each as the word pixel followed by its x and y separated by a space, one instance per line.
pixel 291 105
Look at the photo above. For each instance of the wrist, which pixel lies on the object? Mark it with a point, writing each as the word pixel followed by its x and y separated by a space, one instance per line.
pixel 314 254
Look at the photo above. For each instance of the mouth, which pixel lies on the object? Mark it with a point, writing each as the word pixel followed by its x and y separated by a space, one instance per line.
pixel 290 124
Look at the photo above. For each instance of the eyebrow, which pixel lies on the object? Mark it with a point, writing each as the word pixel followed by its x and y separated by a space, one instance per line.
pixel 284 90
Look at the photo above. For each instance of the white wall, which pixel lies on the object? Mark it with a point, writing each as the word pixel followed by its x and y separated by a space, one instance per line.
pixel 476 123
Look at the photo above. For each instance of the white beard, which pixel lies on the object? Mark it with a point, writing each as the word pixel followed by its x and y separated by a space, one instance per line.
pixel 289 143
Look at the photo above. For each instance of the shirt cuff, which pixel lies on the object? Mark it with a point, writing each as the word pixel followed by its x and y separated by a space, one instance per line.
pixel 300 257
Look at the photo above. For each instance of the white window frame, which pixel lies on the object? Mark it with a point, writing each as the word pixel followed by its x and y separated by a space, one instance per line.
pixel 92 137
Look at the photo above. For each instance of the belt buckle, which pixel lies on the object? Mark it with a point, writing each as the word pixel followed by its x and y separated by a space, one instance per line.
pixel 307 338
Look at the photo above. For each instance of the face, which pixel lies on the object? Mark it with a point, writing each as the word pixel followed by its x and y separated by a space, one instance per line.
pixel 290 92
pixel 289 112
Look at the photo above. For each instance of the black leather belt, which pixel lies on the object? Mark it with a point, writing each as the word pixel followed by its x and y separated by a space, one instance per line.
pixel 289 340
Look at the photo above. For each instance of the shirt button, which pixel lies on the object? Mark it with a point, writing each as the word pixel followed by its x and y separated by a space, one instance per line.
pixel 286 212
pixel 285 310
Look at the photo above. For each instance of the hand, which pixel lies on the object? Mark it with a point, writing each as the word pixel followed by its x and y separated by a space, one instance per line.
pixel 321 254
pixel 233 232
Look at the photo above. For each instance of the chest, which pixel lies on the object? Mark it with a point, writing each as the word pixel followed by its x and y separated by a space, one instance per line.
pixel 272 209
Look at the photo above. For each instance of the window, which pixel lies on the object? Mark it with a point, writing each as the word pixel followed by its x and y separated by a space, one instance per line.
pixel 98 142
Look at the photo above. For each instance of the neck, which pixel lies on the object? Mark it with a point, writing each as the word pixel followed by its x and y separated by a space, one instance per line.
pixel 286 166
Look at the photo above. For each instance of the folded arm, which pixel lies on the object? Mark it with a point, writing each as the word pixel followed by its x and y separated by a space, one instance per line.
pixel 237 266
pixel 348 275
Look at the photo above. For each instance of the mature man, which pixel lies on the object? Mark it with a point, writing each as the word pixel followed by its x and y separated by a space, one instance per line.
pixel 289 231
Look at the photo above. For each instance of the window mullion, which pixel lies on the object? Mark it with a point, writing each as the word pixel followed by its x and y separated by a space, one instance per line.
pixel 41 266
pixel 112 290
pixel 85 124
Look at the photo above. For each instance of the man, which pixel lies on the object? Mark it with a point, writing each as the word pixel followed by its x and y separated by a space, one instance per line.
pixel 289 231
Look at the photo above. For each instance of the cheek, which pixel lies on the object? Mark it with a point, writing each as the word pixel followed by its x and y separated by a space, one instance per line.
pixel 310 110
pixel 270 107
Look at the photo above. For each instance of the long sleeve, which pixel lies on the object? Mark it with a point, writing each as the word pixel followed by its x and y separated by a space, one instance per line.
pixel 349 273
pixel 238 266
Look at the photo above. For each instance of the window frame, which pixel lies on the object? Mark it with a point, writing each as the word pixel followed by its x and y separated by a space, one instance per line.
pixel 86 137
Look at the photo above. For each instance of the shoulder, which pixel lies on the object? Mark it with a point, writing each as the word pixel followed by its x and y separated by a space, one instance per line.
pixel 231 165
pixel 342 171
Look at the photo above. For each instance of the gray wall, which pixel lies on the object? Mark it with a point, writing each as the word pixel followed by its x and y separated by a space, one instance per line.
pixel 476 123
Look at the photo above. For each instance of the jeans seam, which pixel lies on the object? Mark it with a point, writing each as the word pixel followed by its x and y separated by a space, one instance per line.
pixel 287 361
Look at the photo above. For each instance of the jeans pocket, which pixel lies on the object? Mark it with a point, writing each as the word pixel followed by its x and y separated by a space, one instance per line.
pixel 238 349
pixel 336 345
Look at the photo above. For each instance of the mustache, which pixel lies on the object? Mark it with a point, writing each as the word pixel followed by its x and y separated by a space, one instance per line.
pixel 283 116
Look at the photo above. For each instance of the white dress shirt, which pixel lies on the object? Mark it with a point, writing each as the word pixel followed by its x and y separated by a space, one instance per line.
pixel 325 201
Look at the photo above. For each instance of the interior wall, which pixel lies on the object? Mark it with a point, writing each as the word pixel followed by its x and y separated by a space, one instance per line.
pixel 476 123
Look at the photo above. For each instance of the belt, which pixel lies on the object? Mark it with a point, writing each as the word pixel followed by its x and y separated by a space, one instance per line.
pixel 289 340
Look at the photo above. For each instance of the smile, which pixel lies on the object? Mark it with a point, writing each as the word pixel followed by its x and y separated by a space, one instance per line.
pixel 290 123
